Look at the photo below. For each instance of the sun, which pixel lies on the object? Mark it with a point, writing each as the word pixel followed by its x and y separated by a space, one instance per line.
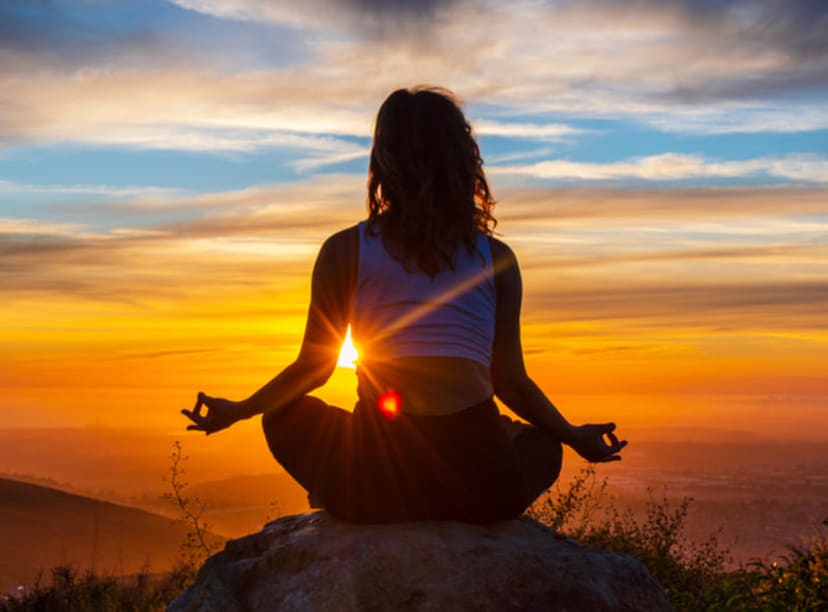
pixel 348 355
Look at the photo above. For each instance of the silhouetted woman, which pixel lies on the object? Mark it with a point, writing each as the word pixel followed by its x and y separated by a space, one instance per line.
pixel 434 304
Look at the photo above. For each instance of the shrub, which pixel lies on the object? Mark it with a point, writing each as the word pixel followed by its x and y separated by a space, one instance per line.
pixel 692 573
pixel 92 592
pixel 198 543
pixel 799 582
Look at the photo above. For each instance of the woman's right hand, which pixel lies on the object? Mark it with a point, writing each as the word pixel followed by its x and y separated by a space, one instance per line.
pixel 220 414
pixel 590 443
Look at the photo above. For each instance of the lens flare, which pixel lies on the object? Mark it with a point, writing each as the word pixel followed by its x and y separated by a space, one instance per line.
pixel 389 403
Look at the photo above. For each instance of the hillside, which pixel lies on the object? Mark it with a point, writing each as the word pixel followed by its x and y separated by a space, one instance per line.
pixel 41 527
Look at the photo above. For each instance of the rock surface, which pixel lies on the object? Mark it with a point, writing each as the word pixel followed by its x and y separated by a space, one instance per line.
pixel 313 562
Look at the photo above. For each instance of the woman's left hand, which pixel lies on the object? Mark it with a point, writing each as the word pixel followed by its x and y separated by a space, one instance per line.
pixel 596 443
pixel 220 414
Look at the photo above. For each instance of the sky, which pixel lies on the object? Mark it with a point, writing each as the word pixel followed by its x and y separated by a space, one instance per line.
pixel 168 170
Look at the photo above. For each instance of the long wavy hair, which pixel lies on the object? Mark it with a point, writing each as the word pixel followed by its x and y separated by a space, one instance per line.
pixel 427 193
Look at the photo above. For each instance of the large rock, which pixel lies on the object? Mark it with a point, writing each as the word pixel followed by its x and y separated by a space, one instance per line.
pixel 313 562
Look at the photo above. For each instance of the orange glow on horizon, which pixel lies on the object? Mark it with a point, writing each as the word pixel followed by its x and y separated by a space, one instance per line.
pixel 683 341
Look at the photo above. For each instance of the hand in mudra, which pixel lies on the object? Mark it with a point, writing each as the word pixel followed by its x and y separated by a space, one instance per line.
pixel 218 414
pixel 590 443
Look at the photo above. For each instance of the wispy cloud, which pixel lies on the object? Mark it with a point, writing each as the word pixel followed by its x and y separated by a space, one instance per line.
pixel 369 17
pixel 744 306
pixel 329 158
pixel 675 166
pixel 99 190
pixel 529 131
pixel 35 227
pixel 198 112
pixel 545 207
pixel 260 236
pixel 737 246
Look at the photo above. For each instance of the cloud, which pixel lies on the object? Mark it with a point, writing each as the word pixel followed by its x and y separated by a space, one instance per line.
pixel 34 227
pixel 550 207
pixel 790 117
pixel 198 111
pixel 144 269
pixel 258 237
pixel 100 190
pixel 798 25
pixel 67 35
pixel 309 207
pixel 48 31
pixel 765 47
pixel 329 157
pixel 765 305
pixel 729 257
pixel 370 17
pixel 528 131
pixel 657 253
pixel 675 166
pixel 724 68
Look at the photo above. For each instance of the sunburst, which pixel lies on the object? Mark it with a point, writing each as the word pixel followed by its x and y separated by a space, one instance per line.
pixel 349 354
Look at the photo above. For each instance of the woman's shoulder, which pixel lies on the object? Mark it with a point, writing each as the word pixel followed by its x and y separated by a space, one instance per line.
pixel 337 258
pixel 341 243
pixel 503 256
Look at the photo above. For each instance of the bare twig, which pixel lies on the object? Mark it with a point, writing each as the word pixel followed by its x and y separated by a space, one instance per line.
pixel 196 545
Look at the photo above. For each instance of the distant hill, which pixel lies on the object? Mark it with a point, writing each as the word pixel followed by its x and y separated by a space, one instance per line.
pixel 41 528
pixel 128 462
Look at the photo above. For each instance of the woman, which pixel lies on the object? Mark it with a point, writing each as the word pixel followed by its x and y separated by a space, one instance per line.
pixel 434 303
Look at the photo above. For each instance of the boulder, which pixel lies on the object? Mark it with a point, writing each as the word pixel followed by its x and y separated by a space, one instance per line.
pixel 314 562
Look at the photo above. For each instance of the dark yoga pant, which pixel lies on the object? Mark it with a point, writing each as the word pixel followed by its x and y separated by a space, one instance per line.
pixel 474 465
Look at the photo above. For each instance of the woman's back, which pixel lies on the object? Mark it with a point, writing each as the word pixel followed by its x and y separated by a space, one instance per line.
pixel 429 338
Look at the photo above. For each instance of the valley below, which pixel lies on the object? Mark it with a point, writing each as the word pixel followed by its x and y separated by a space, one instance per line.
pixel 95 499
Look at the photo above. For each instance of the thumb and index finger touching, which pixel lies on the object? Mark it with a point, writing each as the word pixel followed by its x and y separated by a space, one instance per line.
pixel 195 414
pixel 614 445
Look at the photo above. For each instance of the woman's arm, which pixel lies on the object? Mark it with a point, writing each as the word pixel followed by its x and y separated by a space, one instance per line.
pixel 513 385
pixel 332 285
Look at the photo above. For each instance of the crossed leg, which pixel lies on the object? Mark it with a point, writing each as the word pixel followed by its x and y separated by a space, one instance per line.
pixel 540 457
pixel 315 443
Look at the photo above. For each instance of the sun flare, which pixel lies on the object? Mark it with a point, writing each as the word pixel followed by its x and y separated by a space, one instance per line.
pixel 348 355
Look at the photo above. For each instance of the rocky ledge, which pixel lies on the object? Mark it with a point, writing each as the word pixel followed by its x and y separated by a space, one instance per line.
pixel 313 562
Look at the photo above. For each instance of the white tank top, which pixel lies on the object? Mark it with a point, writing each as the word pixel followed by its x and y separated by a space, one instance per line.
pixel 407 314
